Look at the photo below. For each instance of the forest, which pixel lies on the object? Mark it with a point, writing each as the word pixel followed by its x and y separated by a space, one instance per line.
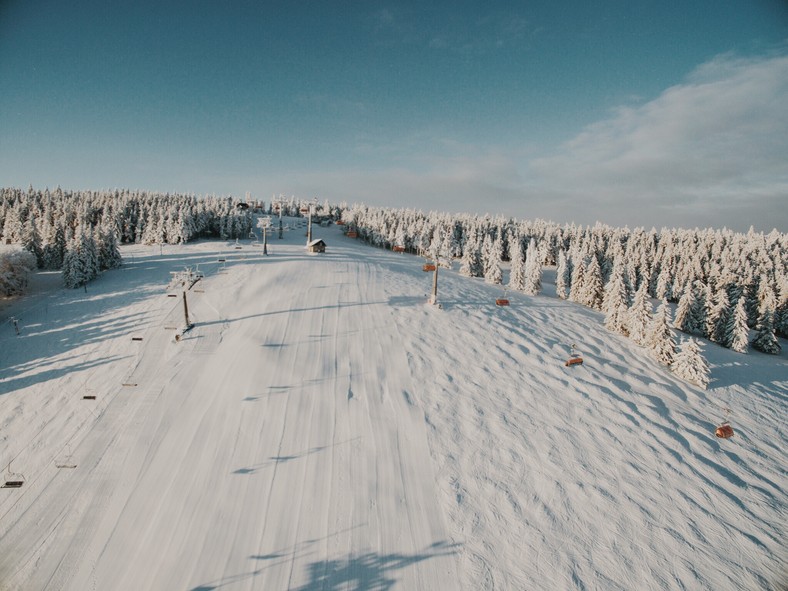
pixel 723 283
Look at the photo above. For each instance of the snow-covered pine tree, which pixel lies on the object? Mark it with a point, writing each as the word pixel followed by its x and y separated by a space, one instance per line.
pixel 108 251
pixel 615 303
pixel 664 286
pixel 447 248
pixel 434 249
pixel 533 270
pixel 593 290
pixel 562 276
pixel 399 236
pixel 576 284
pixel 89 250
pixel 737 333
pixel 74 268
pixel 469 264
pixel 640 315
pixel 491 259
pixel 717 316
pixel 518 266
pixel 781 314
pixel 684 318
pixel 660 338
pixel 689 363
pixel 31 241
pixel 699 310
pixel 765 339
pixel 55 250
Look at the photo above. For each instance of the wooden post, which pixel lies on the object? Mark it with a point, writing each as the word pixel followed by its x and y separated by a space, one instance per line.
pixel 434 298
pixel 280 227
pixel 265 240
pixel 309 226
pixel 186 311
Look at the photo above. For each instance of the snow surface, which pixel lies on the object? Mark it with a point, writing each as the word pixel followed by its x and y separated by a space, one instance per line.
pixel 322 428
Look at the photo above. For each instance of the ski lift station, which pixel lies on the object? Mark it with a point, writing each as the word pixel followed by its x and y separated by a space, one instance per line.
pixel 316 245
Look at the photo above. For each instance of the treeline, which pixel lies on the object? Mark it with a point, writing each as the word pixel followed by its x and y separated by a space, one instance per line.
pixel 724 282
pixel 78 232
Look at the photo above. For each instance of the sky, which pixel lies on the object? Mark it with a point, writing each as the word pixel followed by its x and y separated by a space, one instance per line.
pixel 628 112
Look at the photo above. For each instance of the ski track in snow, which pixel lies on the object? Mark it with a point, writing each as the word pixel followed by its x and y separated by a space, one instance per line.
pixel 321 428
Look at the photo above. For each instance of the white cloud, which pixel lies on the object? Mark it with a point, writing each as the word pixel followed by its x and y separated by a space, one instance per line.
pixel 710 151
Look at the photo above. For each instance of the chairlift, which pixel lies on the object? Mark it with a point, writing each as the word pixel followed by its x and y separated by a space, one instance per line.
pixel 574 358
pixel 724 430
pixel 67 462
pixel 13 479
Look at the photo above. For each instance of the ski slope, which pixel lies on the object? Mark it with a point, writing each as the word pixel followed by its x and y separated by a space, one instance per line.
pixel 321 428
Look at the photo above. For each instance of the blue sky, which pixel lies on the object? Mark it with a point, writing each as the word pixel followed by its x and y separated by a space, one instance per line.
pixel 639 113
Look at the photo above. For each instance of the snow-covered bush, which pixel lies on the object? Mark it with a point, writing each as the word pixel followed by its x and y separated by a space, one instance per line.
pixel 16 266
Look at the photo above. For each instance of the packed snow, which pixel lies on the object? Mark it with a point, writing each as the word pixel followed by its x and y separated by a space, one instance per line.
pixel 321 427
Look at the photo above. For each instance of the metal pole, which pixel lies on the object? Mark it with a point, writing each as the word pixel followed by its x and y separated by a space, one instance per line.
pixel 265 240
pixel 186 311
pixel 309 226
pixel 434 298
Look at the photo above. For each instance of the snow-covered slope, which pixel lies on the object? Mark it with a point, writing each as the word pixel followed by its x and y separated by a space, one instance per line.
pixel 321 428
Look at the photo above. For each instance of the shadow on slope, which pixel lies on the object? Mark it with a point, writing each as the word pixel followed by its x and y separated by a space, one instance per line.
pixel 55 322
pixel 368 572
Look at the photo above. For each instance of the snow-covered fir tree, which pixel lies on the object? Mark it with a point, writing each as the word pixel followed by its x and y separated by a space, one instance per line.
pixel 660 338
pixel 577 282
pixel 717 316
pixel 518 267
pixel 615 303
pixel 684 320
pixel 765 339
pixel 640 315
pixel 491 259
pixel 471 263
pixel 31 241
pixel 562 276
pixel 689 363
pixel 737 333
pixel 108 253
pixel 593 288
pixel 532 282
pixel 699 309
pixel 75 269
pixel 781 314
